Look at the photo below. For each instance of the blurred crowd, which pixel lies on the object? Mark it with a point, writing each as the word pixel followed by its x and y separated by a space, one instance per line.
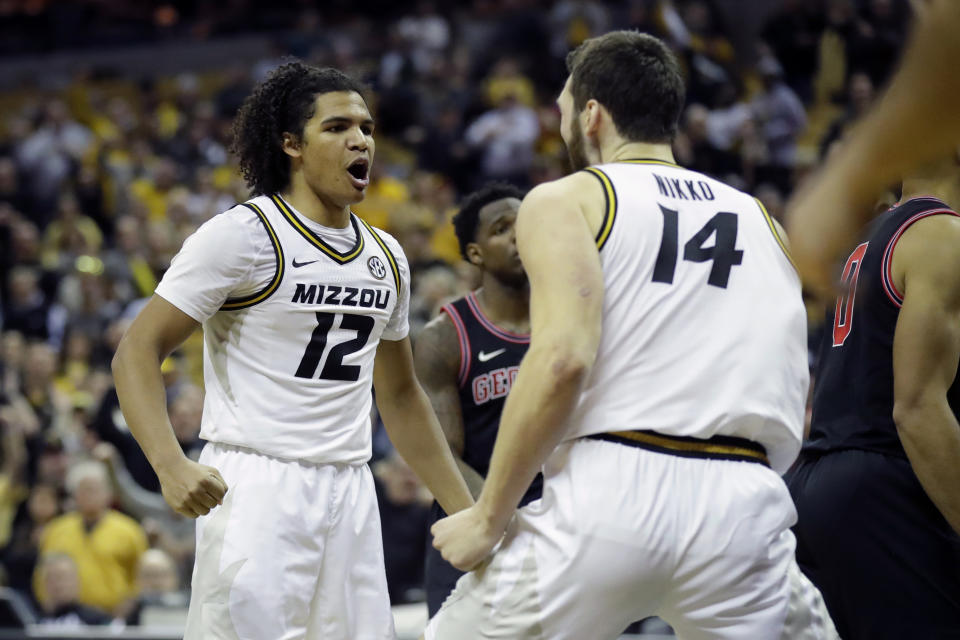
pixel 101 181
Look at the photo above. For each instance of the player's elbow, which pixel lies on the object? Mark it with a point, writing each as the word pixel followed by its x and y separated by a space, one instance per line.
pixel 568 365
pixel 131 351
pixel 119 358
pixel 910 413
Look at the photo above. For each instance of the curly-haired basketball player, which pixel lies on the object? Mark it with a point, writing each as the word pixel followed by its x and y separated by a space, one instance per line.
pixel 303 305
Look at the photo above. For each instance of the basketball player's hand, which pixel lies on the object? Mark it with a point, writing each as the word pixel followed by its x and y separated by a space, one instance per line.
pixel 466 538
pixel 192 489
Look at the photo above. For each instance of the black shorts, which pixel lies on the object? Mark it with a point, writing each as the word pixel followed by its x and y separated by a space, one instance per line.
pixel 885 559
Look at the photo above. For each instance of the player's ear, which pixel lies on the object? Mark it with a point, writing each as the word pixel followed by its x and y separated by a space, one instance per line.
pixel 591 117
pixel 475 254
pixel 291 144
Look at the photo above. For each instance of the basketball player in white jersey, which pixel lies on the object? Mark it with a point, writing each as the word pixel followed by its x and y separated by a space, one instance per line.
pixel 662 394
pixel 303 306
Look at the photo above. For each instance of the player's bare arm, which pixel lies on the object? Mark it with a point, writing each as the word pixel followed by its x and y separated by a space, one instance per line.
pixel 914 122
pixel 436 362
pixel 926 350
pixel 191 489
pixel 413 427
pixel 556 243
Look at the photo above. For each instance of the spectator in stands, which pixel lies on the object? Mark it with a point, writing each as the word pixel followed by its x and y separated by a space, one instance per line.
pixel 12 191
pixel 26 308
pixel 158 585
pixel 860 93
pixel 781 118
pixel 61 603
pixel 19 556
pixel 106 545
pixel 51 153
pixel 153 190
pixel 506 136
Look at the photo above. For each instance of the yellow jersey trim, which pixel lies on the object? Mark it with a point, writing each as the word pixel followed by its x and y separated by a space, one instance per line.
pixel 717 446
pixel 232 304
pixel 316 240
pixel 776 234
pixel 390 257
pixel 610 214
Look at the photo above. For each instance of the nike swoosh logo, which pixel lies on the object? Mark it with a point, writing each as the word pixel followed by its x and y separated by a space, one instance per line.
pixel 484 356
pixel 301 264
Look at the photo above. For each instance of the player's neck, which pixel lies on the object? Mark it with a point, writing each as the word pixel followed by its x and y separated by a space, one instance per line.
pixel 313 207
pixel 505 305
pixel 947 190
pixel 619 150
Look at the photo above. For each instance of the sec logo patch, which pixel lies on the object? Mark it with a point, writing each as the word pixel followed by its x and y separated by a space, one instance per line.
pixel 376 268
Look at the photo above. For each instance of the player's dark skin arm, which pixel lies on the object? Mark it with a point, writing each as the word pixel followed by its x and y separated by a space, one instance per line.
pixel 437 361
pixel 191 489
pixel 914 122
pixel 413 427
pixel 926 352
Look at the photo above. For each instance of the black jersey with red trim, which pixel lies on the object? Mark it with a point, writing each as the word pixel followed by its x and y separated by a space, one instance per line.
pixel 489 360
pixel 853 393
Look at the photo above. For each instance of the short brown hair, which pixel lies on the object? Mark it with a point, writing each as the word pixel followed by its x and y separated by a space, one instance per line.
pixel 636 77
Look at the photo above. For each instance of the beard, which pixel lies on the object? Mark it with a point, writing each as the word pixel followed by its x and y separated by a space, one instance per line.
pixel 513 279
pixel 576 148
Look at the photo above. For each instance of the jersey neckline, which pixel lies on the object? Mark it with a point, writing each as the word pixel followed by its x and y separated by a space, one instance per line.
pixel 489 325
pixel 314 238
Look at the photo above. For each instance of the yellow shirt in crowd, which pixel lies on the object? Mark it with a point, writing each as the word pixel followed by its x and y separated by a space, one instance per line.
pixel 106 556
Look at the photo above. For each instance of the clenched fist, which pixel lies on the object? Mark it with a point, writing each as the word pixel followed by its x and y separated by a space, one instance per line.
pixel 192 489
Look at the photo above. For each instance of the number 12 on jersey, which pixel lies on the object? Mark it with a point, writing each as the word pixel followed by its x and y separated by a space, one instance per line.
pixel 723 253
pixel 333 368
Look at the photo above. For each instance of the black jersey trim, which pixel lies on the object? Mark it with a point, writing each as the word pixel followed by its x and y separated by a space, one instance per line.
pixel 488 324
pixel 389 254
pixel 232 304
pixel 316 240
pixel 610 212
pixel 464 340
pixel 889 287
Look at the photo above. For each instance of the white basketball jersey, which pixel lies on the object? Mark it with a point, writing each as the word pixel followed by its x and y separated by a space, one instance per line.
pixel 704 328
pixel 288 369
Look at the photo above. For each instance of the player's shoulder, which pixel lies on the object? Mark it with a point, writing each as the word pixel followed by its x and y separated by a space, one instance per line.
pixel 439 330
pixel 239 227
pixel 391 243
pixel 577 190
pixel 438 343
pixel 932 238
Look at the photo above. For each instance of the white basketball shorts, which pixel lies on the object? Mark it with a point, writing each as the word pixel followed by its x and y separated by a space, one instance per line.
pixel 294 552
pixel 624 533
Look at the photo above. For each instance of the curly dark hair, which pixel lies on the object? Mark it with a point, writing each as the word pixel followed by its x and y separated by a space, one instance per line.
pixel 282 103
pixel 636 77
pixel 467 220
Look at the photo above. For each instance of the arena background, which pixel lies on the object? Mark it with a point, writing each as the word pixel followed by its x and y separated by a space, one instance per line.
pixel 114 129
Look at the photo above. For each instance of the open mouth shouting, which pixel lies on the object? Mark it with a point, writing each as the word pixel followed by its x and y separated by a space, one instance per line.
pixel 359 172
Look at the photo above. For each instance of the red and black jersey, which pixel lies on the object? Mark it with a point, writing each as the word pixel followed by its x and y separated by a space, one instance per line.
pixel 489 360
pixel 853 394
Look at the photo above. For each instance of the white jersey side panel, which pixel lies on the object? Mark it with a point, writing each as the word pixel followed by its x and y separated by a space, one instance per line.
pixel 288 369
pixel 704 328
